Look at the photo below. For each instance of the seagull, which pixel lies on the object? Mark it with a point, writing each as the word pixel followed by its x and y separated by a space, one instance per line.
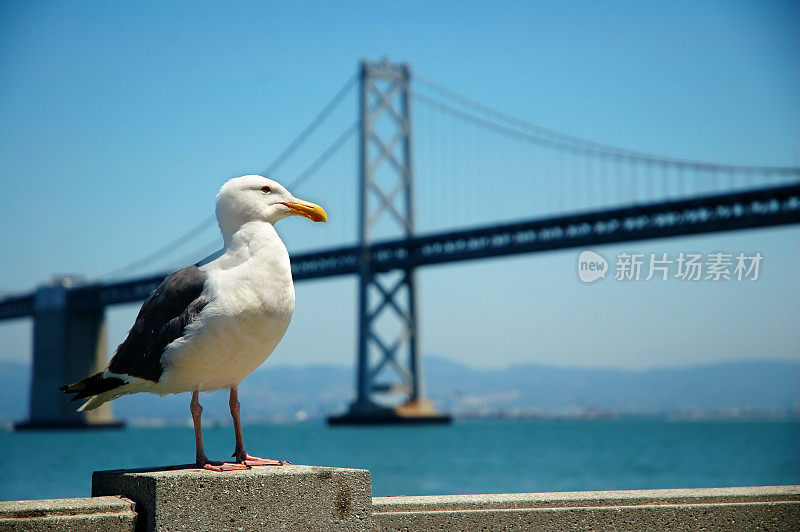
pixel 209 325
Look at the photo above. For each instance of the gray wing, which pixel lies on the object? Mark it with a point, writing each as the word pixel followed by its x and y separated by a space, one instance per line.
pixel 161 320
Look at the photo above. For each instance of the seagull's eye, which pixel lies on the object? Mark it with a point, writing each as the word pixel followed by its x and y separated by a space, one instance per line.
pixel 265 189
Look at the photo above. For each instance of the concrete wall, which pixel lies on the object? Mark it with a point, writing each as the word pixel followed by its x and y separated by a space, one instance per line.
pixel 728 509
pixel 295 497
pixel 109 514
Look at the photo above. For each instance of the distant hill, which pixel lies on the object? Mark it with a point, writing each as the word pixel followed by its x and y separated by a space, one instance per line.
pixel 281 393
pixel 758 386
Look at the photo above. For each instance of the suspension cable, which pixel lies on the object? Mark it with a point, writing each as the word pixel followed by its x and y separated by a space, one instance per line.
pixel 280 159
pixel 171 246
pixel 557 138
pixel 296 182
pixel 577 144
pixel 315 122
pixel 324 156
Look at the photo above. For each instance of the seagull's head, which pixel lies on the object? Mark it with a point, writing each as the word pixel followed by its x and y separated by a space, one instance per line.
pixel 254 198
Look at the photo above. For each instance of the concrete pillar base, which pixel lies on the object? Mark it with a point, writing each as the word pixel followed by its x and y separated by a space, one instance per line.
pixel 289 497
pixel 418 412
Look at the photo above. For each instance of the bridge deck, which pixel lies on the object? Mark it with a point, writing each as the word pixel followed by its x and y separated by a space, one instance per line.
pixel 750 209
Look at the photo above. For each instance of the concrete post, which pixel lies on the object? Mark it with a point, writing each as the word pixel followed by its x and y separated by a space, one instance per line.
pixel 289 497
pixel 68 344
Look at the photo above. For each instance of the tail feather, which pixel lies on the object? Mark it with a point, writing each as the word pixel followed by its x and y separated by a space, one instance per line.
pixel 92 386
pixel 97 400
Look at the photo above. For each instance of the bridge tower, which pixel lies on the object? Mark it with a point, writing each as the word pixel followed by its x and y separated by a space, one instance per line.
pixel 389 372
pixel 69 343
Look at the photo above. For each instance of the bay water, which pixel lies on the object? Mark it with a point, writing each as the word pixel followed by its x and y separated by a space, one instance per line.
pixel 470 456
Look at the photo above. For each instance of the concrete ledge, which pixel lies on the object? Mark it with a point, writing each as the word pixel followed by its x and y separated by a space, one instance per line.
pixel 112 514
pixel 745 509
pixel 586 498
pixel 324 498
pixel 291 497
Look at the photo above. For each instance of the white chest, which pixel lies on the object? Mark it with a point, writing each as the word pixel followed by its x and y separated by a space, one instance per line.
pixel 251 302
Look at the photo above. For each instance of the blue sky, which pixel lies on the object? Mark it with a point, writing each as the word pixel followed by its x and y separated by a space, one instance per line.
pixel 119 121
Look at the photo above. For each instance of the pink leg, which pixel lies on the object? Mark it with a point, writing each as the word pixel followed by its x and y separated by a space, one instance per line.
pixel 240 454
pixel 201 459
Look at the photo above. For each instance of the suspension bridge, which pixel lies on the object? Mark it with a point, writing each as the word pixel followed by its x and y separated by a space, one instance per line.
pixel 558 191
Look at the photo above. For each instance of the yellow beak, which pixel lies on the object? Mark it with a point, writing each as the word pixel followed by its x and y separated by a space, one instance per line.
pixel 309 210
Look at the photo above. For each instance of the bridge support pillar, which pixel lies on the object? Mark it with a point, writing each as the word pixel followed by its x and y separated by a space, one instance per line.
pixel 389 372
pixel 68 344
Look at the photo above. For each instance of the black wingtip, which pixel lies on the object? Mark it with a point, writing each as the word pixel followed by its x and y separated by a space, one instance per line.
pixel 94 385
